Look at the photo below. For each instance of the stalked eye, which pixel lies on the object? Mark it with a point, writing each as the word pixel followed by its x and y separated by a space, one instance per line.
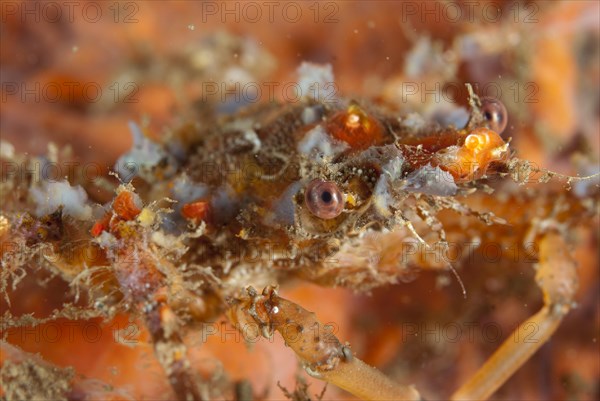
pixel 495 113
pixel 324 199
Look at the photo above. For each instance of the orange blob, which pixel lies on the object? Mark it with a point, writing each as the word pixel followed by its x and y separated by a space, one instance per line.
pixel 356 128
pixel 195 211
pixel 66 89
pixel 100 225
pixel 125 206
pixel 471 160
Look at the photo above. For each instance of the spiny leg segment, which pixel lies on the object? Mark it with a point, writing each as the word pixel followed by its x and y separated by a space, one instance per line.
pixel 557 277
pixel 321 353
pixel 324 357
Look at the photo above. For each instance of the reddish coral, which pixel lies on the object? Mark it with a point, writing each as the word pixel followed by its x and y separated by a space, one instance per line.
pixel 125 206
pixel 195 211
pixel 100 225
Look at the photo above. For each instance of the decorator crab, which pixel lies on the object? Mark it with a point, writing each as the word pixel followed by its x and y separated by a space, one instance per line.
pixel 337 192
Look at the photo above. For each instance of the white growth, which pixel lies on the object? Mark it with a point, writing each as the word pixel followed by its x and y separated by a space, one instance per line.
pixel 432 181
pixel 392 171
pixel 107 241
pixel 381 196
pixel 185 190
pixel 7 150
pixel 238 75
pixel 316 81
pixel 318 139
pixel 413 121
pixel 49 196
pixel 166 241
pixel 393 168
pixel 310 115
pixel 251 136
pixel 284 208
pixel 143 156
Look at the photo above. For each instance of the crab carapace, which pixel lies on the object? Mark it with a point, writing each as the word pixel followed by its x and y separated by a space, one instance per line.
pixel 328 192
pixel 298 183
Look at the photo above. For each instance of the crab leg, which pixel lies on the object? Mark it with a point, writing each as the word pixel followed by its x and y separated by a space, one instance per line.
pixel 322 354
pixel 172 352
pixel 557 277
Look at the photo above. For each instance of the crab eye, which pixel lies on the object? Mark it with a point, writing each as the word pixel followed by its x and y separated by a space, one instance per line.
pixel 495 113
pixel 324 199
